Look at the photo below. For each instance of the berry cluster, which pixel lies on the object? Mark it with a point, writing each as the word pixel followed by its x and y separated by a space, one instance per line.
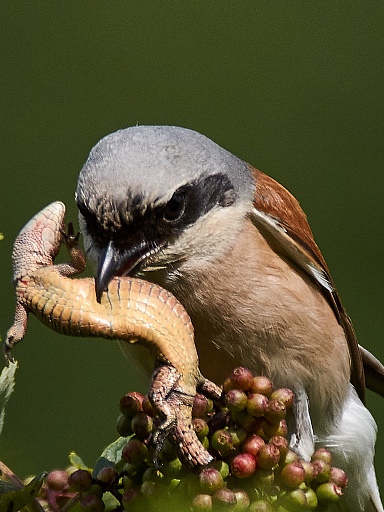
pixel 253 467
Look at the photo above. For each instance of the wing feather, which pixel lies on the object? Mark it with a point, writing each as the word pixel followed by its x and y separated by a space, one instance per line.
pixel 278 215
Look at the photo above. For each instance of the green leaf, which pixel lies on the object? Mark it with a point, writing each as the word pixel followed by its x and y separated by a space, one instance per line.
pixel 110 502
pixel 111 455
pixel 13 500
pixel 7 384
pixel 77 462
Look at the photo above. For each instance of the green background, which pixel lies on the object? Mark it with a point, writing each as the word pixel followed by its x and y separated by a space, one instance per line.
pixel 295 88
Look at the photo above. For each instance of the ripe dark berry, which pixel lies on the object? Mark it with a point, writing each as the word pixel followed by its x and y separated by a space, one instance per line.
pixel 131 403
pixel 134 452
pixel 80 480
pixel 142 425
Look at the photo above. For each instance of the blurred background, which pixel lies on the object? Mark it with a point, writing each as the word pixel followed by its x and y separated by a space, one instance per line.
pixel 295 88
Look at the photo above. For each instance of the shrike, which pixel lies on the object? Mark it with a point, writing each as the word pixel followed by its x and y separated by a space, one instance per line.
pixel 236 249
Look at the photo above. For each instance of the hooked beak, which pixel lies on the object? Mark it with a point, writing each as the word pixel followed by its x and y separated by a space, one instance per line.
pixel 114 261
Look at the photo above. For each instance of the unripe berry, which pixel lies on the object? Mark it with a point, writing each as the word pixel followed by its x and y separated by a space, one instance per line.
pixel 243 465
pixel 123 425
pixel 268 456
pixel 223 499
pixel 310 471
pixel 148 407
pixel 275 411
pixel 278 429
pixel 260 506
pixel 202 503
pixel 290 456
pixel 210 480
pixel 173 469
pixel 257 404
pixel 130 498
pixel 152 475
pixel 238 435
pixel 262 385
pixel 295 500
pixel 284 395
pixel 222 442
pixel 221 466
pixel 323 454
pixel 242 500
pixel 201 428
pixel 312 500
pixel 322 470
pixel 236 400
pixel 328 493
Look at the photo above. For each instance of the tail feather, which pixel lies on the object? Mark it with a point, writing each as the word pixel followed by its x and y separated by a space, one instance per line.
pixel 352 444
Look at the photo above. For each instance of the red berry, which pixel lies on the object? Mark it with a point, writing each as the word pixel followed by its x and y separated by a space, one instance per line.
pixel 292 475
pixel 131 403
pixel 243 465
pixel 240 378
pixel 252 444
pixel 275 411
pixel 339 477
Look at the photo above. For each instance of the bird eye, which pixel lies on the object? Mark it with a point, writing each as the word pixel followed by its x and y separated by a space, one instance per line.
pixel 175 207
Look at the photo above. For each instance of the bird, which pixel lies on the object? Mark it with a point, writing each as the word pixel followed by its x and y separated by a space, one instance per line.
pixel 235 247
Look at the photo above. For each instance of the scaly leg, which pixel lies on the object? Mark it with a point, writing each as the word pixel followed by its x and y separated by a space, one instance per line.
pixel 175 406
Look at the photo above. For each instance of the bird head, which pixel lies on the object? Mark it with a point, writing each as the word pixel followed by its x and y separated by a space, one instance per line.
pixel 156 198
